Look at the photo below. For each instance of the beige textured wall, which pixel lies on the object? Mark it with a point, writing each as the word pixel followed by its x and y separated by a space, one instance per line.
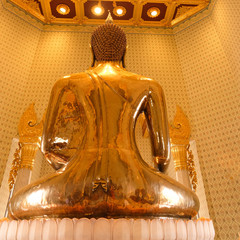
pixel 18 43
pixel 226 20
pixel 214 108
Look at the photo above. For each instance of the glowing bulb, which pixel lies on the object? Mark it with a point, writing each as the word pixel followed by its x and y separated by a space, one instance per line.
pixel 154 13
pixel 119 11
pixel 63 10
pixel 98 10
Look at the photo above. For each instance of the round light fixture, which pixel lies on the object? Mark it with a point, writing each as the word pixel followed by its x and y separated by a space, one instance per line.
pixel 97 10
pixel 63 9
pixel 119 11
pixel 153 12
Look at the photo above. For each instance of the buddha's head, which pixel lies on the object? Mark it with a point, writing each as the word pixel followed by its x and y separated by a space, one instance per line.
pixel 108 42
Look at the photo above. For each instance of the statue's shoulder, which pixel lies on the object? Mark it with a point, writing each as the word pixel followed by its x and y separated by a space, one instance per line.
pixel 145 82
pixel 68 79
pixel 154 84
pixel 136 77
pixel 150 82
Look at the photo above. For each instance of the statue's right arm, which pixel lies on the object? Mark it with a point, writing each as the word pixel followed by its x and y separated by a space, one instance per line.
pixel 156 115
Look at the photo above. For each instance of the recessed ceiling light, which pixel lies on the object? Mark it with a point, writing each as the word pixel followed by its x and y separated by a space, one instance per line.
pixel 97 10
pixel 63 9
pixel 153 12
pixel 119 11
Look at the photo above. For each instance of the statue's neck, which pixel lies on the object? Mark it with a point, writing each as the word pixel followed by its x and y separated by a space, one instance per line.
pixel 117 64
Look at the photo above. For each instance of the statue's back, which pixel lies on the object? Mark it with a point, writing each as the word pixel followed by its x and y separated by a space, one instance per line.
pixel 94 110
pixel 89 135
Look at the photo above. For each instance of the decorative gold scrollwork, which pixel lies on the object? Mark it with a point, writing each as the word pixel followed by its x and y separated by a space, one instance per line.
pixel 28 129
pixel 15 166
pixel 191 168
pixel 182 155
pixel 180 130
pixel 29 139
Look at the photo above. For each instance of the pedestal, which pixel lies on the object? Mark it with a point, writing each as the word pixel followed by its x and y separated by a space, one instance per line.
pixel 107 229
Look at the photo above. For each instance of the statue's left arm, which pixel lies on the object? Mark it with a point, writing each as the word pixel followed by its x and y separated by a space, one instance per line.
pixel 156 115
pixel 63 129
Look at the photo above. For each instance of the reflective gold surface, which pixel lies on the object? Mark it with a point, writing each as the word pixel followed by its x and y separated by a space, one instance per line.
pixel 180 142
pixel 89 135
pixel 30 133
pixel 180 129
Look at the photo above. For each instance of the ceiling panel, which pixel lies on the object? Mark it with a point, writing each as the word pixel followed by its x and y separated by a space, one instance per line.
pixel 108 6
pixel 80 12
pixel 162 8
pixel 183 8
pixel 69 3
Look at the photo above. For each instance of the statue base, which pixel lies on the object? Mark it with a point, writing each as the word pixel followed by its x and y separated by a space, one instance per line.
pixel 107 229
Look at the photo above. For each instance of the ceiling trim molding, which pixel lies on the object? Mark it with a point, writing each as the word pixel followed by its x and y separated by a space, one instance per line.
pixel 195 18
pixel 90 28
pixel 46 11
pixel 22 14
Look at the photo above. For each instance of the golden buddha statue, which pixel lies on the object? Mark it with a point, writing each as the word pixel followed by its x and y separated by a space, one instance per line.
pixel 89 138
